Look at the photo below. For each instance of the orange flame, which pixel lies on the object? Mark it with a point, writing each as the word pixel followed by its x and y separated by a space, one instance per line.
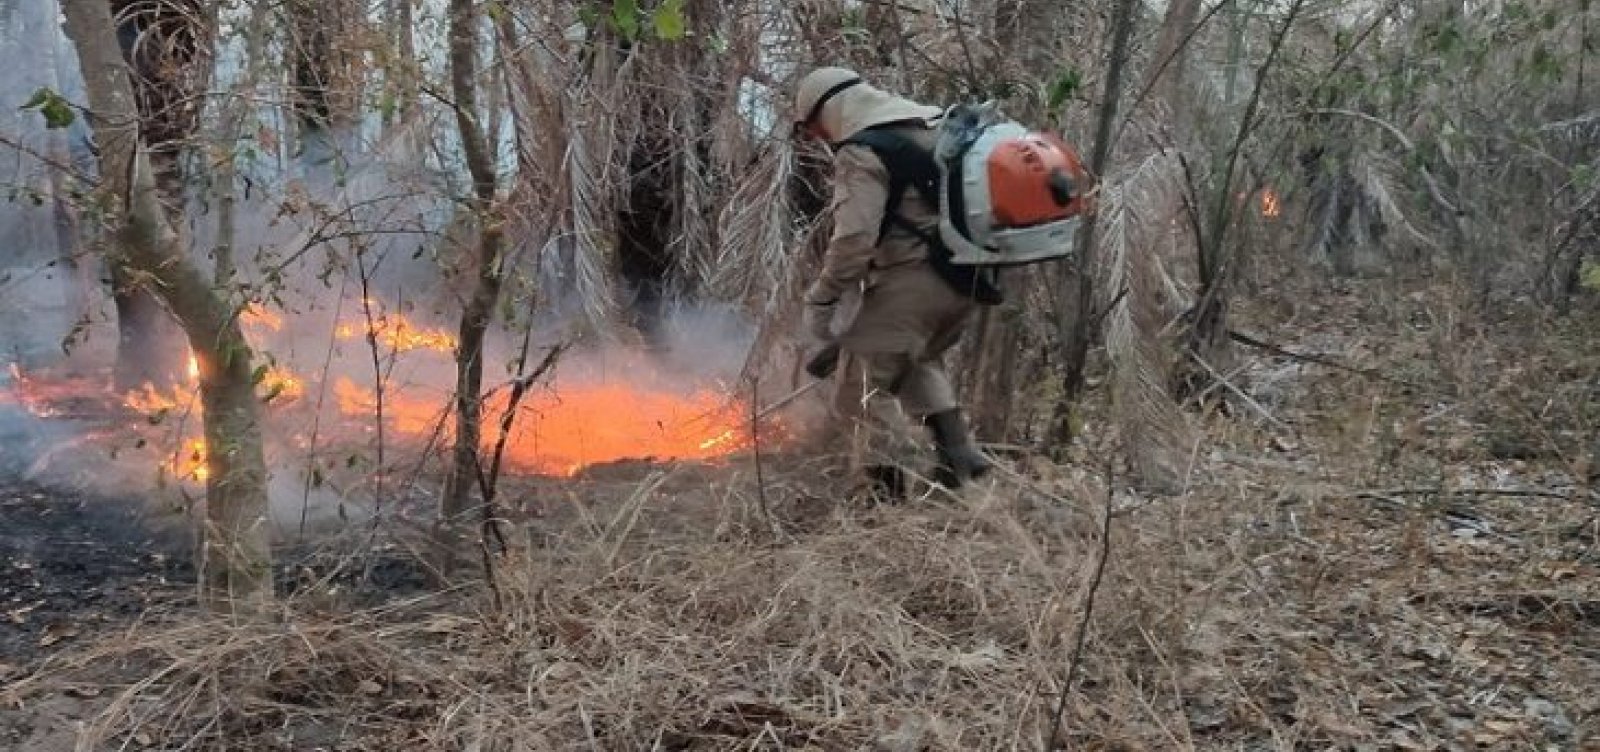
pixel 557 431
pixel 401 412
pixel 399 335
pixel 260 318
pixel 280 385
pixel 562 433
pixel 27 394
pixel 1270 207
pixel 586 425
pixel 150 400
pixel 189 462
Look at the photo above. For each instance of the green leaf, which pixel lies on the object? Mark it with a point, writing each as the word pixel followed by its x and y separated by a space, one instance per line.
pixel 589 16
pixel 40 96
pixel 669 21
pixel 1583 176
pixel 1063 87
pixel 1544 65
pixel 625 14
pixel 57 113
pixel 1589 276
pixel 388 104
pixel 55 108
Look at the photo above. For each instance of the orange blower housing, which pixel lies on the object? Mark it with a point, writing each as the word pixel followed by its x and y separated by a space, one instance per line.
pixel 1034 180
pixel 1009 196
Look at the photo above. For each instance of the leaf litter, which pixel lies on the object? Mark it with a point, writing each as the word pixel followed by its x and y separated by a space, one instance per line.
pixel 1350 587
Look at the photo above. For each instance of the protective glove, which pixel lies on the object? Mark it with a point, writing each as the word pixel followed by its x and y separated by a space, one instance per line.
pixel 819 320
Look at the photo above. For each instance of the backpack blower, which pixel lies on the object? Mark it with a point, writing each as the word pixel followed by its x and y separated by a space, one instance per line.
pixel 1008 196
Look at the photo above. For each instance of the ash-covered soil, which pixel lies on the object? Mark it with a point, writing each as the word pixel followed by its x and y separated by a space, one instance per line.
pixel 74 568
pixel 75 563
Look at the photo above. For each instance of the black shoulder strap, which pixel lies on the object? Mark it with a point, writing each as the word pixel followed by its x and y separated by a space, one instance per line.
pixel 911 166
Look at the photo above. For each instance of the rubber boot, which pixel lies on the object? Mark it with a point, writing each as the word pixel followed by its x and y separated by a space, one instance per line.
pixel 959 460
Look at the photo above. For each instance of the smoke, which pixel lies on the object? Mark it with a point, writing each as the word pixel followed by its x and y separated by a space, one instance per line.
pixel 323 246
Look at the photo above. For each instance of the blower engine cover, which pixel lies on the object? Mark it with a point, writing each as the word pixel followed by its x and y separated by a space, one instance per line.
pixel 1011 196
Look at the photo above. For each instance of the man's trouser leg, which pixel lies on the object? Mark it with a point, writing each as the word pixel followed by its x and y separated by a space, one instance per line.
pixel 927 397
pixel 908 320
pixel 873 430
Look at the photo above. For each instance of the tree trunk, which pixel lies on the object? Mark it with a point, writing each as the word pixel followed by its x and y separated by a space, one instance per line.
pixel 1207 340
pixel 150 346
pixel 168 56
pixel 1169 61
pixel 991 355
pixel 1076 313
pixel 993 372
pixel 479 311
pixel 234 113
pixel 645 228
pixel 169 51
pixel 82 277
pixel 326 74
pixel 400 78
pixel 235 559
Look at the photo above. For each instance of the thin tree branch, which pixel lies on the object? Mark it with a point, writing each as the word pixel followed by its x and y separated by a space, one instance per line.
pixel 1075 659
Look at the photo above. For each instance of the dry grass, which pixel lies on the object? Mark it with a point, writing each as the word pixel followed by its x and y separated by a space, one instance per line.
pixel 1302 593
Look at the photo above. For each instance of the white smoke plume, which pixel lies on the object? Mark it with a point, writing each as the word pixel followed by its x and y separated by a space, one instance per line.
pixel 305 237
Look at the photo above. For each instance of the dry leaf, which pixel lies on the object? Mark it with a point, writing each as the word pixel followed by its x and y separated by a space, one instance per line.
pixel 268 138
pixel 20 615
pixel 56 633
pixel 444 625
pixel 985 656
pixel 1558 570
pixel 369 687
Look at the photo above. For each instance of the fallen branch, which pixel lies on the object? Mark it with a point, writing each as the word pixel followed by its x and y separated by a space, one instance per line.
pixel 1248 400
pixel 1391 494
pixel 1322 360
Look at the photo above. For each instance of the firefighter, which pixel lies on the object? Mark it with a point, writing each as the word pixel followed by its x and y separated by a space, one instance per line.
pixel 907 316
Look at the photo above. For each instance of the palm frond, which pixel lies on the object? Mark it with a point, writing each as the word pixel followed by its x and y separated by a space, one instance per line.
pixel 587 156
pixel 1137 210
pixel 1376 174
pixel 1584 128
pixel 752 252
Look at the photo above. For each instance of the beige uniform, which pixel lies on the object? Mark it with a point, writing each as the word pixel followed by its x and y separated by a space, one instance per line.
pixel 909 317
pixel 905 317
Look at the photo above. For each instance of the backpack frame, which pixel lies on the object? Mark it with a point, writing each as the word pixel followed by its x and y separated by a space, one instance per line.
pixel 910 166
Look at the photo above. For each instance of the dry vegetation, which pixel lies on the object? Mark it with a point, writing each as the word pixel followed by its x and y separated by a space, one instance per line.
pixel 1367 519
pixel 1358 572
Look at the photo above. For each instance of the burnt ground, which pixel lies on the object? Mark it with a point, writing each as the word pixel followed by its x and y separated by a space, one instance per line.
pixel 77 569
pixel 74 564
pixel 73 567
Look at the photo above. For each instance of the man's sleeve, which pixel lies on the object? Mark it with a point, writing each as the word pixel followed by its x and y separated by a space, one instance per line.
pixel 860 189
